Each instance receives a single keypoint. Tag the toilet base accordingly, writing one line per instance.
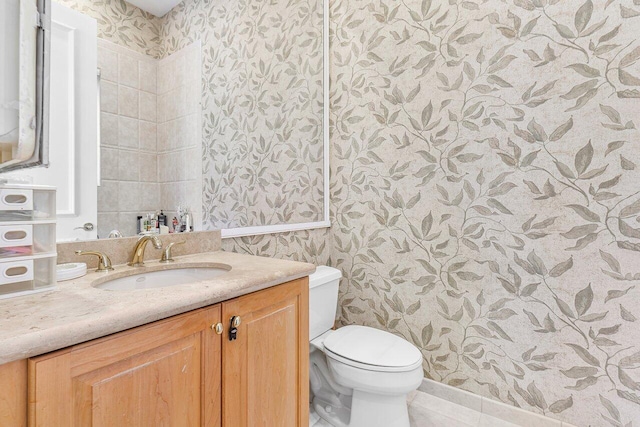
(336, 415)
(375, 410)
(367, 410)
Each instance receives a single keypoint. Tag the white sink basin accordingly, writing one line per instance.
(162, 278)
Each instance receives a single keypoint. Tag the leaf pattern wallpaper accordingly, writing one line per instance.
(122, 23)
(486, 193)
(485, 190)
(262, 107)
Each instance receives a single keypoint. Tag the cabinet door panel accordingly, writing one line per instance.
(164, 374)
(157, 388)
(13, 394)
(265, 370)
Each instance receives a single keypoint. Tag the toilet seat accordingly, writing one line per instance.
(371, 349)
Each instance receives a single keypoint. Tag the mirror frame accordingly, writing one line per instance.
(326, 221)
(40, 155)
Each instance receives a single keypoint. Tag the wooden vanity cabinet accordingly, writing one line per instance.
(163, 374)
(179, 372)
(265, 369)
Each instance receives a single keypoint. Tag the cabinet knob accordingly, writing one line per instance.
(218, 328)
(235, 321)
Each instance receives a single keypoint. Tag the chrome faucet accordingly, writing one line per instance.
(137, 259)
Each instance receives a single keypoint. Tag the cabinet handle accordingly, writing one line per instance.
(218, 328)
(233, 330)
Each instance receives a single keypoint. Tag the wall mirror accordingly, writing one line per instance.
(212, 115)
(23, 83)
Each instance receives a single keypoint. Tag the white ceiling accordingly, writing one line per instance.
(156, 7)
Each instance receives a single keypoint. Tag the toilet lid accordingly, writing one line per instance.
(373, 347)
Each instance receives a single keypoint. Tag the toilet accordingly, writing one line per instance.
(359, 376)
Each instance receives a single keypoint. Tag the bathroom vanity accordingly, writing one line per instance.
(228, 351)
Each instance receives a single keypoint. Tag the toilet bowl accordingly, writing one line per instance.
(359, 376)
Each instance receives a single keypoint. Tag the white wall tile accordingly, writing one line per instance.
(150, 197)
(166, 132)
(108, 64)
(108, 163)
(164, 77)
(148, 76)
(148, 136)
(129, 166)
(108, 97)
(108, 196)
(106, 222)
(128, 132)
(148, 167)
(109, 129)
(127, 223)
(162, 107)
(128, 101)
(128, 73)
(129, 196)
(148, 104)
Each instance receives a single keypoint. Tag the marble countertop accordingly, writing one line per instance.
(76, 312)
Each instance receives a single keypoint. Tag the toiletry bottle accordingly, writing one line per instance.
(139, 224)
(162, 218)
(188, 222)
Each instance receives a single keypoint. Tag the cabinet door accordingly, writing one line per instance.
(163, 374)
(266, 368)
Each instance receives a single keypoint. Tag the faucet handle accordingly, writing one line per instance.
(104, 262)
(166, 253)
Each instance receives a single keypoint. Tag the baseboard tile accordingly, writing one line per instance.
(488, 406)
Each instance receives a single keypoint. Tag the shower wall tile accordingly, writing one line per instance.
(148, 76)
(109, 97)
(129, 161)
(128, 102)
(128, 132)
(109, 162)
(108, 65)
(108, 129)
(148, 136)
(128, 71)
(179, 131)
(148, 104)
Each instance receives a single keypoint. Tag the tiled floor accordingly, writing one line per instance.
(426, 410)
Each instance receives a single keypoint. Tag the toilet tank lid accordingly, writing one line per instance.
(324, 275)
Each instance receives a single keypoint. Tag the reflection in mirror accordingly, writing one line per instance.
(150, 140)
(23, 86)
(179, 123)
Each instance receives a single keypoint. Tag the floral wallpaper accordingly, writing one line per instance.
(262, 107)
(122, 23)
(486, 193)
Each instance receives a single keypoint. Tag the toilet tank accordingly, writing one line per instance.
(323, 300)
